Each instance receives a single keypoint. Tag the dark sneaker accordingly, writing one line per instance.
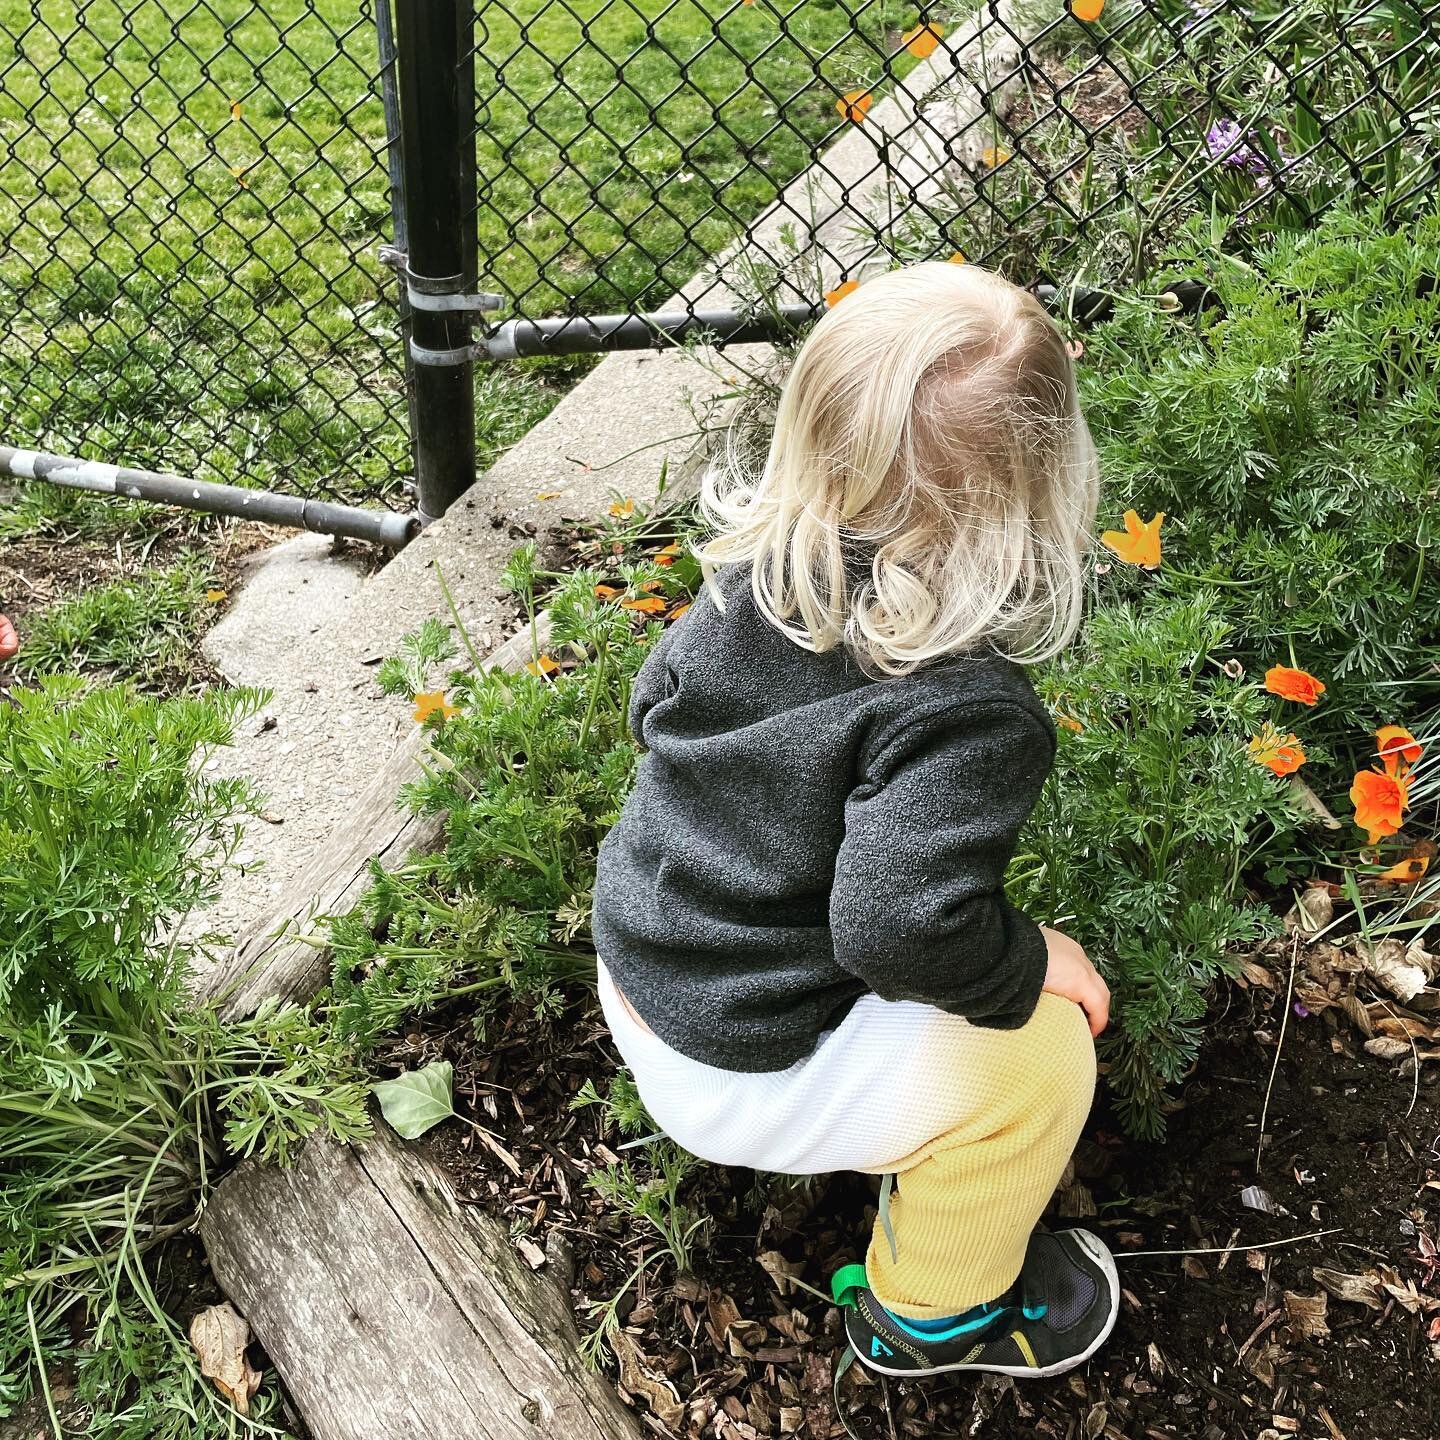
(1055, 1317)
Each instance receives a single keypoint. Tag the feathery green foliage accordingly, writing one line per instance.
(114, 1087)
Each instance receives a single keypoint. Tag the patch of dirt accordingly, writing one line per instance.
(1228, 1334)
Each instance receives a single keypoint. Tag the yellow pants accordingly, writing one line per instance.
(966, 1202)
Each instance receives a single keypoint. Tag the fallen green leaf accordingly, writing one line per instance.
(418, 1100)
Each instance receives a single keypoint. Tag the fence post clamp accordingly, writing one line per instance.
(446, 295)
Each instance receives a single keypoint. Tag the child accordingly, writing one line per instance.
(807, 958)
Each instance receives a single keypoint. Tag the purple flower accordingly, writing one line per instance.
(1301, 1010)
(1227, 144)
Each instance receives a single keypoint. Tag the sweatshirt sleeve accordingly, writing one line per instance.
(652, 684)
(918, 909)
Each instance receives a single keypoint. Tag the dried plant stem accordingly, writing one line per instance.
(1279, 1046)
(1222, 1249)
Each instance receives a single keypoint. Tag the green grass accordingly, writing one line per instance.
(142, 629)
(740, 94)
(188, 278)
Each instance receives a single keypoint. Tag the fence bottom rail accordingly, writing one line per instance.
(380, 527)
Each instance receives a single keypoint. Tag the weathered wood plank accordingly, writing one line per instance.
(393, 1311)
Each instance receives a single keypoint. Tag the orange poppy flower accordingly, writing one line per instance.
(1379, 802)
(1087, 10)
(1280, 754)
(650, 605)
(1398, 748)
(958, 258)
(853, 105)
(1291, 684)
(835, 296)
(542, 665)
(622, 508)
(432, 702)
(608, 592)
(1069, 722)
(1139, 542)
(677, 612)
(922, 40)
(667, 556)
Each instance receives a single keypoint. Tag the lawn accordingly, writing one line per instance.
(188, 270)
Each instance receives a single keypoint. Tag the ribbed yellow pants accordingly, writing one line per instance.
(966, 1202)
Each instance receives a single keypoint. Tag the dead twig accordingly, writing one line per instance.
(1257, 1332)
(1221, 1249)
(1279, 1046)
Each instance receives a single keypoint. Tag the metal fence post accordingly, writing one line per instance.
(436, 65)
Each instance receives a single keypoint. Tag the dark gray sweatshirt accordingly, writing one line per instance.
(801, 832)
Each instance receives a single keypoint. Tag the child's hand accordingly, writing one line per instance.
(1071, 974)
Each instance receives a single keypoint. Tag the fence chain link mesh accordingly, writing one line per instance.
(193, 195)
(624, 144)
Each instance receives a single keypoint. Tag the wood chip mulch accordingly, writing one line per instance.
(1242, 1330)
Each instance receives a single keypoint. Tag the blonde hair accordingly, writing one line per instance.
(930, 427)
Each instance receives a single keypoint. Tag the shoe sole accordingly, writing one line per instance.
(1094, 1247)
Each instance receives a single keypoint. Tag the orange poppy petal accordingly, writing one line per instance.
(1397, 748)
(1292, 684)
(1408, 871)
(923, 39)
(1139, 543)
(1379, 802)
(650, 605)
(1280, 754)
(433, 702)
(853, 105)
(1087, 10)
(835, 296)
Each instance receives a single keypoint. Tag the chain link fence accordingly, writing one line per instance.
(191, 198)
(1059, 139)
(194, 200)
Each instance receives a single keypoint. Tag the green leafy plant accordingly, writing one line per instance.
(1142, 841)
(530, 774)
(119, 1098)
(418, 1100)
(1289, 434)
(647, 1191)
